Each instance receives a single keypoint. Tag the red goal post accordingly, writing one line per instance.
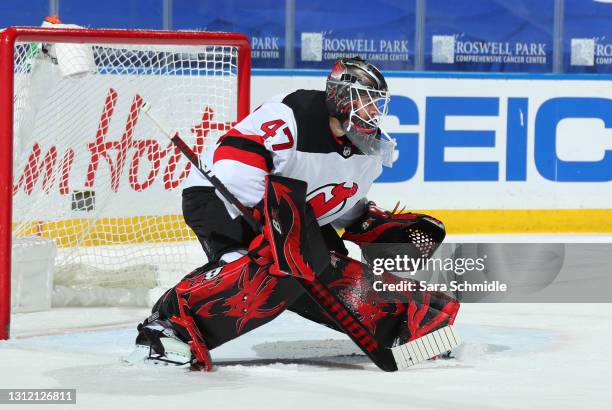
(210, 60)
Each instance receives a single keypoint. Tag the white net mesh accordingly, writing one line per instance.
(98, 177)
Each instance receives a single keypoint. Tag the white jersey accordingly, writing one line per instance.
(290, 136)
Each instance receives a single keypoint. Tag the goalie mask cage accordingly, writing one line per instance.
(90, 189)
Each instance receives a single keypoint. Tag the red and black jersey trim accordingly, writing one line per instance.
(246, 149)
(312, 121)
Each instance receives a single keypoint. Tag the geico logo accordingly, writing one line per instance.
(537, 144)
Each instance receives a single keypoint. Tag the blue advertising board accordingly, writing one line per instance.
(485, 35)
(381, 31)
(263, 21)
(587, 36)
(127, 14)
(459, 35)
(16, 13)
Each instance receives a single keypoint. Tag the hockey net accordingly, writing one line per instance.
(95, 190)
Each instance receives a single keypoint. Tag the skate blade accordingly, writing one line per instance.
(424, 348)
(178, 354)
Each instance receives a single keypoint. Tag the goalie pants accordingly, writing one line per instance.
(219, 234)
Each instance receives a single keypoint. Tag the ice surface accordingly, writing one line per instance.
(540, 356)
(514, 356)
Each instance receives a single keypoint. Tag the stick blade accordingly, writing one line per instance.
(426, 347)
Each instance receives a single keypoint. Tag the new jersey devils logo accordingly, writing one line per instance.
(330, 199)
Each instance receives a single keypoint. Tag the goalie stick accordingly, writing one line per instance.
(387, 359)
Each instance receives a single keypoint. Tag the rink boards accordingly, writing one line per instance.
(484, 153)
(490, 152)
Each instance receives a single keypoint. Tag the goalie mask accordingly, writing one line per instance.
(357, 95)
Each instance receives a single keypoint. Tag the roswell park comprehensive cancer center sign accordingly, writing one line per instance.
(452, 49)
(325, 47)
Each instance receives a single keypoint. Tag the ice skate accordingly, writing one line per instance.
(157, 343)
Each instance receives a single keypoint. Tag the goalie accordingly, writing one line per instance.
(331, 141)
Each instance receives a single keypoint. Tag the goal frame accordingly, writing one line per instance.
(11, 35)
